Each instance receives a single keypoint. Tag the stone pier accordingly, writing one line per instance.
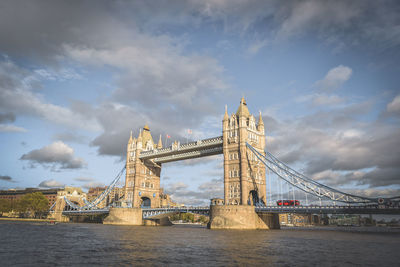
(133, 216)
(241, 217)
(124, 216)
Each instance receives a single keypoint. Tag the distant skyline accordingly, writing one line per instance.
(77, 76)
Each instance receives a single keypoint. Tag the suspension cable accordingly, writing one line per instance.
(304, 183)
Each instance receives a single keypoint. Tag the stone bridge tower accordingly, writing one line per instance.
(244, 174)
(142, 183)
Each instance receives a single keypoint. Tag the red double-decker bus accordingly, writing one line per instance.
(288, 202)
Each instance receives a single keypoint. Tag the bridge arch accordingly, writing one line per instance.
(146, 202)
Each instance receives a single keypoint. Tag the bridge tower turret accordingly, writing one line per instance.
(142, 184)
(244, 175)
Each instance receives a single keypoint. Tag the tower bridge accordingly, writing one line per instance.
(247, 203)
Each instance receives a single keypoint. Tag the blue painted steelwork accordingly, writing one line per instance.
(149, 213)
(310, 186)
(355, 209)
(100, 198)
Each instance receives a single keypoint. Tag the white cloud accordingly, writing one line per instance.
(326, 100)
(179, 192)
(157, 83)
(50, 184)
(256, 46)
(394, 105)
(335, 78)
(17, 95)
(59, 75)
(56, 156)
(84, 179)
(11, 128)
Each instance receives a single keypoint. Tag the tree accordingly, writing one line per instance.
(5, 205)
(35, 204)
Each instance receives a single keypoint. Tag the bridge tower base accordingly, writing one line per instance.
(158, 222)
(241, 217)
(124, 216)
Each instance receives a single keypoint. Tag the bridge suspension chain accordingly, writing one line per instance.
(306, 184)
(98, 199)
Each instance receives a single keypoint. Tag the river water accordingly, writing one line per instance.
(39, 244)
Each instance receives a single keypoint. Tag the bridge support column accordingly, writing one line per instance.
(124, 216)
(241, 217)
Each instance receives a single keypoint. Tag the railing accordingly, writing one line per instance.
(189, 155)
(355, 209)
(148, 213)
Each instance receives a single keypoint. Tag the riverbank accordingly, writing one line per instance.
(25, 219)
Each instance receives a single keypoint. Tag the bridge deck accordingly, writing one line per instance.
(154, 213)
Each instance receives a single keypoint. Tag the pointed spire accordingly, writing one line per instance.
(260, 120)
(130, 138)
(140, 136)
(146, 128)
(159, 143)
(243, 101)
(243, 110)
(226, 116)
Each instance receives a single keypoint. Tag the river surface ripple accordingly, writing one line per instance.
(40, 244)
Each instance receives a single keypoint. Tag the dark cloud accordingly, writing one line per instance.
(103, 23)
(93, 184)
(336, 147)
(381, 177)
(7, 117)
(6, 178)
(56, 156)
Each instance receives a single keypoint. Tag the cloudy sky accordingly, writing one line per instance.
(77, 77)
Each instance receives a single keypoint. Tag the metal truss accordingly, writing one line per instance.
(190, 155)
(177, 151)
(100, 198)
(306, 184)
(157, 213)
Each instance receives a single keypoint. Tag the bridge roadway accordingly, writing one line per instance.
(156, 213)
